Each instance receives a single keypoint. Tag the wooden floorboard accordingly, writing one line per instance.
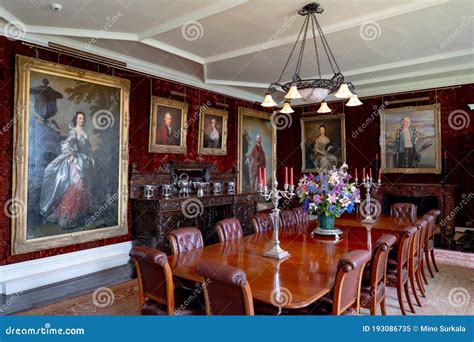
(63, 290)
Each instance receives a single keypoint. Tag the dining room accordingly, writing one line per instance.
(237, 158)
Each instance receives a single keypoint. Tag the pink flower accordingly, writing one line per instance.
(332, 198)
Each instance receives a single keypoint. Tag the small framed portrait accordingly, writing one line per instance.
(323, 142)
(167, 126)
(411, 139)
(213, 132)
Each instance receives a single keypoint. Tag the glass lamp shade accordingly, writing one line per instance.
(287, 108)
(268, 101)
(313, 95)
(343, 92)
(353, 101)
(324, 108)
(293, 93)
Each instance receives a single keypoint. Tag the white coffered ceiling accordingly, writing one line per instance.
(238, 47)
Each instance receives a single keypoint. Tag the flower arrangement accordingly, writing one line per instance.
(329, 193)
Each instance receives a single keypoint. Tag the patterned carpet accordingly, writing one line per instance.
(448, 294)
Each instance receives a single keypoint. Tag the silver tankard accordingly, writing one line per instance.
(149, 191)
(231, 187)
(217, 187)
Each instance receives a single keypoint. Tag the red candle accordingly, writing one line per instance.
(291, 176)
(286, 175)
(356, 173)
(445, 155)
(363, 173)
(264, 176)
(260, 175)
(370, 173)
(380, 174)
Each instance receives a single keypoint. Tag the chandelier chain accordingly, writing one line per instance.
(303, 44)
(289, 57)
(315, 47)
(326, 48)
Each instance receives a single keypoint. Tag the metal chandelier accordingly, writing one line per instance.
(312, 89)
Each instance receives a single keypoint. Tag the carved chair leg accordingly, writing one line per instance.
(407, 293)
(422, 269)
(428, 264)
(434, 260)
(383, 308)
(419, 283)
(413, 288)
(400, 299)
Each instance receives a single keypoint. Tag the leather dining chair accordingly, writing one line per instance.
(399, 277)
(156, 288)
(374, 295)
(345, 299)
(302, 216)
(226, 290)
(262, 222)
(229, 229)
(405, 211)
(422, 225)
(414, 261)
(184, 240)
(288, 219)
(429, 245)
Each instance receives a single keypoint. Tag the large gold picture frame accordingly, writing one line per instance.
(335, 149)
(161, 138)
(424, 127)
(250, 124)
(205, 144)
(34, 78)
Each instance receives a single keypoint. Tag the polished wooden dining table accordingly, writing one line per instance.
(299, 280)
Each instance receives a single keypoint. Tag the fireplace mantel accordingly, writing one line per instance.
(443, 192)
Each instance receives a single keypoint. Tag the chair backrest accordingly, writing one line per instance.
(229, 229)
(404, 247)
(288, 219)
(403, 210)
(423, 224)
(226, 290)
(155, 280)
(435, 213)
(348, 281)
(262, 222)
(184, 240)
(379, 260)
(302, 216)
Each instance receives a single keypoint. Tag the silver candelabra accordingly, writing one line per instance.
(275, 195)
(369, 185)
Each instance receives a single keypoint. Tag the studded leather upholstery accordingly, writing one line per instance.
(226, 288)
(184, 240)
(156, 288)
(404, 211)
(229, 229)
(288, 219)
(262, 222)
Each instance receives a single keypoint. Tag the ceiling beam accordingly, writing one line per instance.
(344, 25)
(221, 6)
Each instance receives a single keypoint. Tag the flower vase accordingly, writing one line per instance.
(326, 221)
(326, 226)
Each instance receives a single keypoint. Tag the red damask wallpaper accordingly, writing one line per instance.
(139, 127)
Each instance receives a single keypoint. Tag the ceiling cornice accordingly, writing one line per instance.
(143, 66)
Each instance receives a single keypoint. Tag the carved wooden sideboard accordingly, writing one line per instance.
(153, 218)
(444, 193)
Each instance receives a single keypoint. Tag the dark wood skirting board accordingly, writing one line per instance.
(45, 295)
